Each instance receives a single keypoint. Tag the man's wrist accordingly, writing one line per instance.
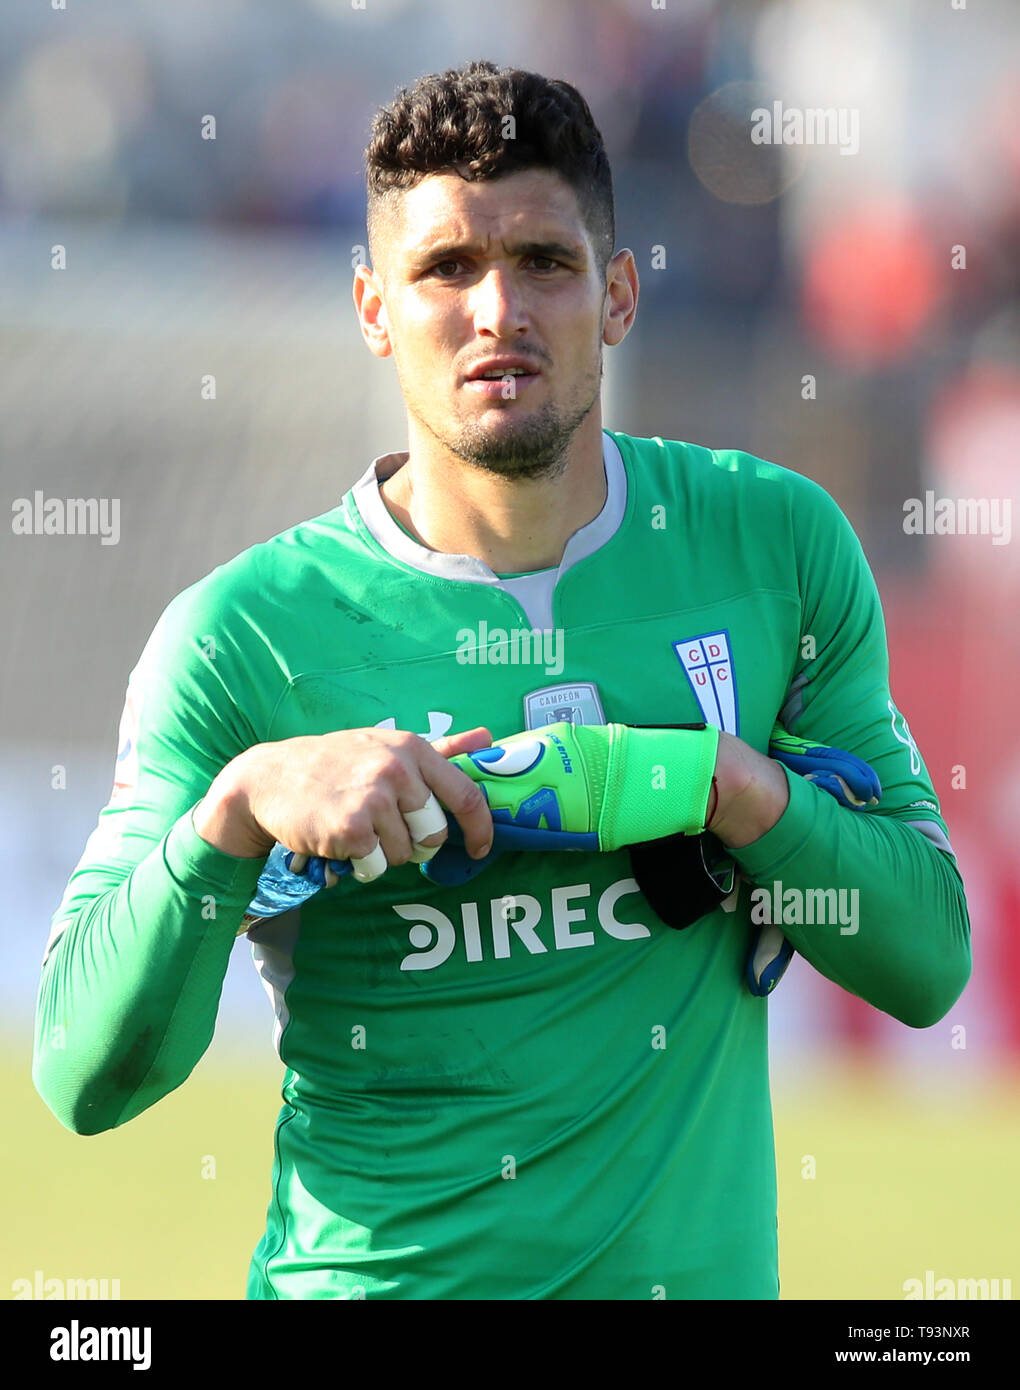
(750, 793)
(223, 818)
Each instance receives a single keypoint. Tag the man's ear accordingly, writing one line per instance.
(621, 298)
(371, 309)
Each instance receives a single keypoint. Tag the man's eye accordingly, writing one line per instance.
(550, 264)
(450, 266)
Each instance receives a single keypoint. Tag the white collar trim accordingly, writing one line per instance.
(396, 542)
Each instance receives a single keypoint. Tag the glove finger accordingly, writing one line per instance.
(769, 958)
(846, 793)
(856, 778)
(832, 783)
(316, 871)
(452, 865)
(308, 867)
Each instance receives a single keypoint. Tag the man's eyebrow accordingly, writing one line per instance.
(452, 251)
(555, 250)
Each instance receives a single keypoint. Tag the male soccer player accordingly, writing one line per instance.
(526, 1085)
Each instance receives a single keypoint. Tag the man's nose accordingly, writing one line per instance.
(497, 304)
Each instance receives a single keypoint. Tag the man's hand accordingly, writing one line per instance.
(343, 795)
(562, 787)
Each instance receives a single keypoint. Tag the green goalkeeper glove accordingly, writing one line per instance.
(563, 787)
(595, 787)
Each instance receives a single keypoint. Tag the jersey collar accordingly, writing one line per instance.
(396, 542)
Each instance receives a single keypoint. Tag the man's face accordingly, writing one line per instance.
(500, 276)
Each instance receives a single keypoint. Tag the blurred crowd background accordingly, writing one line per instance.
(232, 256)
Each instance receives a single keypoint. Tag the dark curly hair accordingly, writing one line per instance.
(455, 122)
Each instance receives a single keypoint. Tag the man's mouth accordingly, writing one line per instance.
(501, 378)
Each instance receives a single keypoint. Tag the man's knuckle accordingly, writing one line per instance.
(394, 768)
(470, 798)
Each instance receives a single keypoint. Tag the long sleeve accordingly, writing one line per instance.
(138, 948)
(897, 934)
(128, 996)
(910, 952)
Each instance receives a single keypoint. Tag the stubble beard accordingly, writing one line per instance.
(534, 448)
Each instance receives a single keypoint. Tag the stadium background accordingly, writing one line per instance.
(233, 256)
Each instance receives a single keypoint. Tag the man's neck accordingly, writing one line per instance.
(513, 526)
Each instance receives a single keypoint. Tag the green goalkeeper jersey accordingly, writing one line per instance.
(526, 1087)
